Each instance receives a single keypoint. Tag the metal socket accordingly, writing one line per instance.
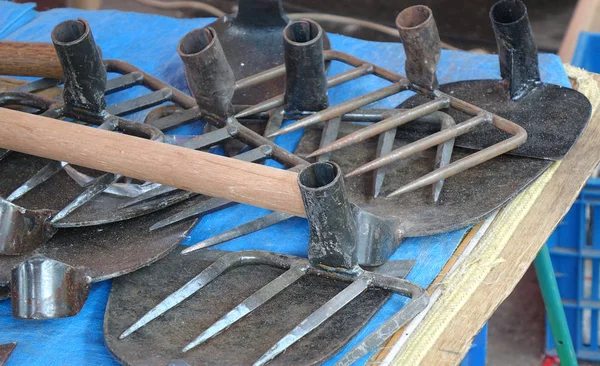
(516, 48)
(207, 71)
(332, 240)
(83, 70)
(305, 79)
(421, 42)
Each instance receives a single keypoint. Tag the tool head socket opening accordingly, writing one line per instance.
(414, 17)
(70, 32)
(508, 11)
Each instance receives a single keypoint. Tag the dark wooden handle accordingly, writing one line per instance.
(29, 59)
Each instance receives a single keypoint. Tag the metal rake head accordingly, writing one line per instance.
(332, 253)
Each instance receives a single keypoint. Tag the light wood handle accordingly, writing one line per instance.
(135, 157)
(29, 59)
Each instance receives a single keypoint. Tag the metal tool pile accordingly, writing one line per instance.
(491, 139)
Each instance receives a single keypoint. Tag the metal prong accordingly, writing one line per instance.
(158, 191)
(342, 108)
(250, 304)
(376, 338)
(247, 228)
(38, 178)
(388, 123)
(443, 157)
(423, 144)
(317, 318)
(99, 185)
(329, 135)
(335, 80)
(275, 121)
(202, 208)
(384, 147)
(123, 82)
(37, 85)
(202, 279)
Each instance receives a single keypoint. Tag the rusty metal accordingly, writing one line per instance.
(332, 254)
(251, 39)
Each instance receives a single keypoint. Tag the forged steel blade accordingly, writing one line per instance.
(317, 318)
(238, 231)
(247, 306)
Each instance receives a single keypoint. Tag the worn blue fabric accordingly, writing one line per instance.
(149, 42)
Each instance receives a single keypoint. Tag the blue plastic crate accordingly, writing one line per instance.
(575, 252)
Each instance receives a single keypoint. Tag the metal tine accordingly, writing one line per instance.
(465, 163)
(250, 304)
(177, 119)
(140, 103)
(388, 123)
(38, 178)
(344, 107)
(329, 135)
(317, 318)
(275, 120)
(244, 229)
(423, 144)
(212, 204)
(96, 188)
(385, 144)
(253, 155)
(443, 157)
(48, 171)
(375, 339)
(335, 80)
(123, 82)
(211, 272)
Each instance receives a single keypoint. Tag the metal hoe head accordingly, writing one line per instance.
(332, 254)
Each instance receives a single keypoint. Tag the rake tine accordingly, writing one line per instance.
(210, 139)
(443, 157)
(423, 144)
(384, 147)
(250, 304)
(99, 185)
(254, 155)
(380, 127)
(274, 122)
(335, 80)
(376, 338)
(465, 163)
(329, 135)
(177, 119)
(317, 318)
(140, 103)
(342, 108)
(247, 228)
(38, 178)
(202, 279)
(202, 208)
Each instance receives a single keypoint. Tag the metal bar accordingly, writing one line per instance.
(329, 135)
(249, 304)
(210, 139)
(123, 82)
(384, 147)
(37, 85)
(238, 231)
(380, 127)
(423, 144)
(140, 103)
(342, 108)
(177, 119)
(317, 318)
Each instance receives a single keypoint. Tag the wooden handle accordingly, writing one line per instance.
(134, 157)
(29, 59)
